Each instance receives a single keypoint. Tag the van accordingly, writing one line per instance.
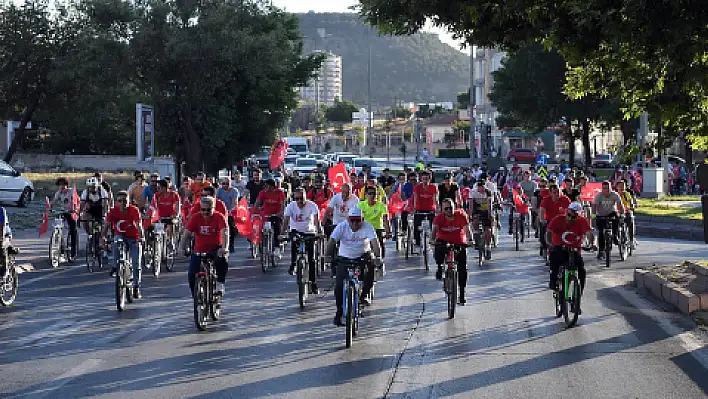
(298, 144)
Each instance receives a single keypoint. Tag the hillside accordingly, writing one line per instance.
(408, 68)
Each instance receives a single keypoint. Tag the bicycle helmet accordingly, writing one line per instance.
(92, 182)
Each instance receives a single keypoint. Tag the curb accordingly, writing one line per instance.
(666, 230)
(685, 301)
(668, 220)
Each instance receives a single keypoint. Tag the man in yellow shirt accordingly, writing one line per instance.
(380, 192)
(375, 213)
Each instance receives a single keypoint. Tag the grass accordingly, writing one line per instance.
(651, 207)
(682, 198)
(44, 182)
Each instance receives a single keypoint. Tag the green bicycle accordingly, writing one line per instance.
(568, 291)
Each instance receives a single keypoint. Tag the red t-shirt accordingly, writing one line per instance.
(165, 204)
(272, 201)
(219, 208)
(555, 208)
(356, 189)
(320, 198)
(207, 233)
(452, 231)
(426, 197)
(568, 234)
(125, 223)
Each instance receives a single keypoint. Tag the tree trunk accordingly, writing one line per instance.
(571, 147)
(689, 151)
(20, 131)
(192, 144)
(586, 142)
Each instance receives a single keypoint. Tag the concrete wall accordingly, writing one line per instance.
(46, 162)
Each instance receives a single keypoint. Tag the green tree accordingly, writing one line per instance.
(341, 111)
(221, 75)
(463, 99)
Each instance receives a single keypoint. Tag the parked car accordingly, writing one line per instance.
(332, 158)
(305, 165)
(672, 159)
(289, 162)
(522, 155)
(604, 161)
(359, 163)
(262, 160)
(346, 158)
(14, 187)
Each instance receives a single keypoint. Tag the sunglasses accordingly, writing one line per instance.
(298, 198)
(121, 200)
(447, 209)
(371, 193)
(355, 220)
(206, 209)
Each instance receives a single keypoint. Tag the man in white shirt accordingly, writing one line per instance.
(303, 216)
(339, 206)
(356, 237)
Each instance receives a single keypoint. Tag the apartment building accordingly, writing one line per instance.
(327, 86)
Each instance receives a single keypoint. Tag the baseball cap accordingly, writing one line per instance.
(575, 206)
(355, 212)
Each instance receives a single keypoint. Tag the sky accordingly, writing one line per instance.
(303, 6)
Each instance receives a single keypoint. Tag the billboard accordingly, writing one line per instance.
(145, 132)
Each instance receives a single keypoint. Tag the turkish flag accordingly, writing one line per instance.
(277, 153)
(256, 228)
(521, 207)
(242, 218)
(45, 219)
(338, 176)
(395, 204)
(590, 191)
(77, 203)
(323, 208)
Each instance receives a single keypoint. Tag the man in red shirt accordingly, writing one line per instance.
(452, 227)
(167, 203)
(220, 207)
(553, 205)
(319, 194)
(271, 203)
(425, 203)
(358, 184)
(568, 230)
(211, 233)
(125, 220)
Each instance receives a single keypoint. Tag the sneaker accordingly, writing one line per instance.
(364, 300)
(599, 254)
(314, 290)
(438, 274)
(462, 300)
(220, 289)
(488, 255)
(12, 250)
(276, 252)
(291, 270)
(136, 293)
(338, 320)
(113, 272)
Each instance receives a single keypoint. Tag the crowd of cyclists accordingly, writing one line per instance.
(200, 215)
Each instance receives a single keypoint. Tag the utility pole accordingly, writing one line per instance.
(471, 107)
(369, 132)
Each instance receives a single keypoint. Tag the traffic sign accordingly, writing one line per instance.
(542, 159)
(542, 172)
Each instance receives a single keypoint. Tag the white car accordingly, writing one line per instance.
(289, 161)
(359, 163)
(14, 187)
(346, 158)
(305, 165)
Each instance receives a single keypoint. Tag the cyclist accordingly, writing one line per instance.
(197, 186)
(570, 229)
(425, 199)
(125, 220)
(569, 189)
(452, 226)
(355, 238)
(480, 211)
(220, 207)
(380, 192)
(376, 214)
(553, 205)
(94, 203)
(339, 207)
(386, 180)
(211, 233)
(64, 200)
(397, 186)
(271, 202)
(302, 216)
(106, 187)
(6, 248)
(183, 191)
(629, 201)
(136, 188)
(522, 209)
(254, 187)
(319, 194)
(229, 196)
(607, 206)
(529, 188)
(167, 203)
(358, 185)
(449, 189)
(149, 191)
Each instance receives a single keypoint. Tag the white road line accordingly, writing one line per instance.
(50, 273)
(52, 386)
(42, 333)
(688, 340)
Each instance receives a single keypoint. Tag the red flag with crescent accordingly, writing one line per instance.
(45, 219)
(590, 190)
(338, 176)
(242, 218)
(277, 153)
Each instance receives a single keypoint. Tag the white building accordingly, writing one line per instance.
(328, 84)
(486, 61)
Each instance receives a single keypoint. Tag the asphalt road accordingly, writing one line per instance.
(64, 338)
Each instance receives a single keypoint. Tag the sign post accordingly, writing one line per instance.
(145, 134)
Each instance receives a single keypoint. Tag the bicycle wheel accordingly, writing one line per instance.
(302, 281)
(170, 257)
(263, 253)
(350, 316)
(409, 243)
(516, 234)
(622, 244)
(128, 282)
(157, 256)
(608, 249)
(215, 303)
(571, 308)
(121, 292)
(558, 294)
(55, 248)
(396, 234)
(201, 310)
(10, 283)
(254, 251)
(69, 244)
(451, 284)
(90, 259)
(425, 251)
(319, 258)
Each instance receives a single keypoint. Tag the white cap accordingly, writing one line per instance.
(575, 206)
(355, 211)
(92, 181)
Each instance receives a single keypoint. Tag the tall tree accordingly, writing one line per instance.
(341, 111)
(220, 73)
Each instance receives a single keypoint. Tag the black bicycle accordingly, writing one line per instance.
(450, 281)
(302, 266)
(94, 250)
(607, 232)
(124, 275)
(207, 303)
(9, 283)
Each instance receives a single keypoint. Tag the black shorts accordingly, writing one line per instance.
(94, 213)
(484, 217)
(168, 221)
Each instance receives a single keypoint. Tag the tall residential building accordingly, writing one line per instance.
(328, 81)
(486, 61)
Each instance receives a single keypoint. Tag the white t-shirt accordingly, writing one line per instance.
(340, 208)
(302, 220)
(491, 186)
(99, 195)
(353, 244)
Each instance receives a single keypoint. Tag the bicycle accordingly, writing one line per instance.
(424, 234)
(94, 252)
(152, 252)
(450, 280)
(168, 248)
(623, 240)
(480, 239)
(496, 226)
(516, 227)
(9, 284)
(60, 242)
(206, 301)
(409, 236)
(397, 231)
(302, 266)
(568, 292)
(351, 310)
(124, 275)
(267, 255)
(607, 231)
(320, 265)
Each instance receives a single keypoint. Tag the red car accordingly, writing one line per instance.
(522, 155)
